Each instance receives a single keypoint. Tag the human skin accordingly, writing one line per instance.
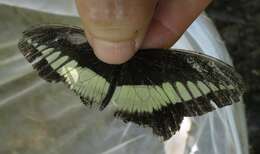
(116, 29)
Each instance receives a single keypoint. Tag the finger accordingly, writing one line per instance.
(115, 28)
(171, 19)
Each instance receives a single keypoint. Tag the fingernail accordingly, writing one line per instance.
(113, 52)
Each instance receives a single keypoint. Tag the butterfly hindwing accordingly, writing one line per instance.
(156, 88)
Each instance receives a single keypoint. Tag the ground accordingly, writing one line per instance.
(238, 21)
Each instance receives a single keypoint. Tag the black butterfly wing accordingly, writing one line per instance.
(156, 88)
(159, 87)
(61, 53)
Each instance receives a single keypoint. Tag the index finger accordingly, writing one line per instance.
(170, 21)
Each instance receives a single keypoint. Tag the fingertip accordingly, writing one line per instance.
(115, 29)
(113, 52)
(159, 36)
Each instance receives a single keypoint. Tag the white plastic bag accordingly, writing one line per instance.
(37, 117)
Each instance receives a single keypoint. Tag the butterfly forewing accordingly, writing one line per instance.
(178, 82)
(57, 53)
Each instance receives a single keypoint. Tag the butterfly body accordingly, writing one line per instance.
(156, 88)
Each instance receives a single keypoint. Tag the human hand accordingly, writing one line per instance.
(116, 29)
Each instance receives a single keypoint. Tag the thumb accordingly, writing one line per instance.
(115, 28)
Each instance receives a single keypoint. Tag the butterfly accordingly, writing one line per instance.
(156, 88)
